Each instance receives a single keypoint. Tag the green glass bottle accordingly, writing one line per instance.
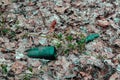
(91, 37)
(43, 52)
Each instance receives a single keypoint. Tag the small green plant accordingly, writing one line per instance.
(27, 76)
(71, 46)
(81, 43)
(11, 34)
(41, 72)
(66, 51)
(7, 32)
(58, 45)
(4, 68)
(69, 37)
(59, 36)
(4, 31)
(25, 35)
(30, 69)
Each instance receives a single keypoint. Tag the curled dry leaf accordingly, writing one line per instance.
(52, 26)
(103, 23)
(61, 9)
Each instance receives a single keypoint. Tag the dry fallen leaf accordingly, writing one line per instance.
(52, 26)
(3, 50)
(18, 67)
(117, 42)
(61, 9)
(103, 23)
(115, 76)
(82, 73)
(86, 76)
(30, 3)
(6, 2)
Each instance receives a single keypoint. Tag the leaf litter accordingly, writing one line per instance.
(85, 33)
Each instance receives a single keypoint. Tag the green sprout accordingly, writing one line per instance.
(4, 68)
(71, 46)
(27, 76)
(81, 43)
(69, 38)
(4, 31)
(30, 69)
(59, 36)
(58, 45)
(12, 34)
(7, 32)
(66, 51)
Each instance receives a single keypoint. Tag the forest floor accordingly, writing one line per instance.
(85, 33)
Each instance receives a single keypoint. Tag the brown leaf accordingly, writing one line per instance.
(18, 67)
(30, 3)
(3, 50)
(83, 73)
(6, 2)
(115, 76)
(52, 26)
(60, 9)
(103, 23)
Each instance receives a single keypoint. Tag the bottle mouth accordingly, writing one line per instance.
(53, 53)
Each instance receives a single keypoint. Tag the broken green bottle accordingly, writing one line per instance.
(43, 52)
(91, 37)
